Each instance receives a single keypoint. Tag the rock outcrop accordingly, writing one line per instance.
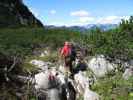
(13, 13)
(40, 64)
(128, 73)
(100, 66)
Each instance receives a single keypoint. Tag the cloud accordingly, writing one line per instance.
(111, 19)
(66, 24)
(86, 19)
(53, 12)
(82, 21)
(83, 17)
(80, 13)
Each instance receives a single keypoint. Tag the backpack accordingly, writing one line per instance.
(73, 54)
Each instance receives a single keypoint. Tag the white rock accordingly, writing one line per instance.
(53, 94)
(90, 95)
(44, 53)
(41, 80)
(61, 78)
(37, 62)
(62, 69)
(128, 73)
(40, 64)
(81, 82)
(100, 66)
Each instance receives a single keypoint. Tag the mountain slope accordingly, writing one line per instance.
(14, 13)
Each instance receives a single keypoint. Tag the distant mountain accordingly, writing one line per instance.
(78, 28)
(101, 26)
(85, 28)
(14, 13)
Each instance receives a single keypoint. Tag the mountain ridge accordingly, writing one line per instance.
(85, 28)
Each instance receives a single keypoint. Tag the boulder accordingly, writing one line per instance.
(100, 66)
(53, 94)
(44, 53)
(82, 84)
(128, 73)
(41, 80)
(40, 64)
(90, 95)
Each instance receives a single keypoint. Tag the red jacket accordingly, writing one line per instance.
(66, 51)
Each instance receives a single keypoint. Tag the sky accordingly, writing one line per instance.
(80, 12)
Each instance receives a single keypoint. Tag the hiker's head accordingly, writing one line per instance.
(66, 43)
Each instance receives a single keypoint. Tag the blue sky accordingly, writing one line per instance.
(80, 12)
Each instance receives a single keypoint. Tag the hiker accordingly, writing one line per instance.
(67, 55)
(80, 63)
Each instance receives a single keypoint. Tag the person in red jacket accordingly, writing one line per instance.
(65, 54)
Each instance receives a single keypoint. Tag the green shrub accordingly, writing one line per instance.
(114, 87)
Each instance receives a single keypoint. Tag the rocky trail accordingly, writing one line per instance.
(65, 88)
(50, 82)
